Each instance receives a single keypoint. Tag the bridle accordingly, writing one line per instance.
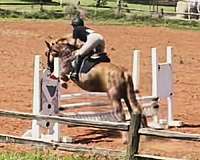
(67, 52)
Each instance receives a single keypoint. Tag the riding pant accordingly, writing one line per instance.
(95, 42)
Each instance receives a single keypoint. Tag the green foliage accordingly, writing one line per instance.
(10, 14)
(26, 156)
(44, 14)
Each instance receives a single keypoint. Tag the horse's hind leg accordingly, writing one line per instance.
(131, 100)
(118, 112)
(143, 119)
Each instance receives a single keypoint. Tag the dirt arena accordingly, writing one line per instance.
(21, 40)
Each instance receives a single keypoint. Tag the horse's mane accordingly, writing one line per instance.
(67, 40)
(63, 47)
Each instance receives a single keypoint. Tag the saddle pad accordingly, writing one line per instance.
(89, 62)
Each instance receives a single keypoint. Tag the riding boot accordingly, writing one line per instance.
(74, 74)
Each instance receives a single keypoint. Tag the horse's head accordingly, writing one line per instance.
(61, 49)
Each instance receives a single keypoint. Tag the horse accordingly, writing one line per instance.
(103, 77)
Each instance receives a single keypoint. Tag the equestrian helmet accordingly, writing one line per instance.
(77, 21)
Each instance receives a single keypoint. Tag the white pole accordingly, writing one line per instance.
(154, 61)
(170, 97)
(136, 69)
(56, 67)
(154, 72)
(36, 97)
(170, 55)
(56, 128)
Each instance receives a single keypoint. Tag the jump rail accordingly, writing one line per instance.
(96, 104)
(67, 120)
(72, 147)
(134, 134)
(99, 94)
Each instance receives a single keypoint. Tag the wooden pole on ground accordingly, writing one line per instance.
(134, 137)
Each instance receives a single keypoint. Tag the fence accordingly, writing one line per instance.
(63, 9)
(133, 128)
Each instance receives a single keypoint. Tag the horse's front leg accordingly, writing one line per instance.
(64, 76)
(64, 79)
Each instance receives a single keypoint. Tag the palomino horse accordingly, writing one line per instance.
(103, 77)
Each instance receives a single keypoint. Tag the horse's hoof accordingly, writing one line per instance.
(64, 85)
(64, 78)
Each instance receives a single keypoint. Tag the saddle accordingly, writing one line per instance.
(88, 62)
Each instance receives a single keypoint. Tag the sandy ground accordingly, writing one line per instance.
(21, 40)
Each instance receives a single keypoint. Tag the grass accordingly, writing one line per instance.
(29, 156)
(46, 156)
(91, 3)
(103, 15)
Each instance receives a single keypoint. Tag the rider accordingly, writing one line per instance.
(93, 43)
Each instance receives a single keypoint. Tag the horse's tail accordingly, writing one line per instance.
(131, 100)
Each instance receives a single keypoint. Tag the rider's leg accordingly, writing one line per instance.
(77, 65)
(93, 40)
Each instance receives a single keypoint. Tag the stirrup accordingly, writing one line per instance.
(74, 76)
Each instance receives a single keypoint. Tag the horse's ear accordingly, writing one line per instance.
(48, 44)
